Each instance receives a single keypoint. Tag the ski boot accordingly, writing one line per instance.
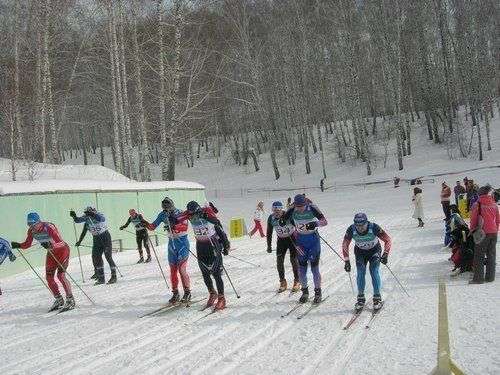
(221, 302)
(175, 297)
(58, 303)
(211, 299)
(360, 304)
(305, 295)
(70, 303)
(296, 286)
(141, 260)
(283, 286)
(148, 259)
(94, 276)
(377, 302)
(317, 296)
(187, 296)
(112, 279)
(100, 281)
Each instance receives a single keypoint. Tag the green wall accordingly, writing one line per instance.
(55, 208)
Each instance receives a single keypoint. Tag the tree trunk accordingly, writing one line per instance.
(17, 111)
(487, 126)
(320, 142)
(40, 87)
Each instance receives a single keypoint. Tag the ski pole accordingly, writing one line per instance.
(71, 277)
(244, 261)
(225, 271)
(78, 250)
(158, 261)
(327, 244)
(33, 269)
(401, 285)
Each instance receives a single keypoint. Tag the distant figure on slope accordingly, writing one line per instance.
(284, 242)
(258, 215)
(367, 248)
(211, 243)
(418, 213)
(141, 234)
(322, 184)
(56, 261)
(177, 248)
(95, 223)
(306, 218)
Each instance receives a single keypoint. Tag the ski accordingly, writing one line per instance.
(374, 315)
(64, 310)
(155, 311)
(354, 317)
(296, 307)
(211, 312)
(175, 307)
(310, 308)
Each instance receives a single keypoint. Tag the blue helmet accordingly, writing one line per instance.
(277, 205)
(299, 200)
(33, 218)
(360, 218)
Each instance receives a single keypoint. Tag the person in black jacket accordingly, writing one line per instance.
(141, 234)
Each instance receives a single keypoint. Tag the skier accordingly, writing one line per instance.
(284, 242)
(56, 261)
(211, 241)
(257, 219)
(306, 217)
(177, 249)
(141, 234)
(367, 248)
(95, 223)
(5, 252)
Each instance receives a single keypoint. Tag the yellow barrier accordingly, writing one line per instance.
(237, 227)
(445, 365)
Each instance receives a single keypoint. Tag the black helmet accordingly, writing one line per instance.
(193, 207)
(167, 204)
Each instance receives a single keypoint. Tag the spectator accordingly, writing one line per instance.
(484, 225)
(322, 184)
(472, 195)
(418, 213)
(457, 190)
(462, 245)
(288, 203)
(445, 199)
(258, 215)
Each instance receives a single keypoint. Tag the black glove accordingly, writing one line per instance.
(15, 245)
(311, 226)
(225, 249)
(72, 214)
(122, 227)
(347, 266)
(77, 244)
(269, 250)
(384, 259)
(12, 257)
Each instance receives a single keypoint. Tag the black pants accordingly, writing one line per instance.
(142, 237)
(282, 246)
(210, 263)
(446, 209)
(102, 245)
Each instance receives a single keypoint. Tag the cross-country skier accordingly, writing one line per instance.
(141, 234)
(211, 241)
(284, 242)
(177, 249)
(367, 248)
(56, 261)
(95, 223)
(306, 217)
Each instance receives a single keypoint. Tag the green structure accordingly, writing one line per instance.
(114, 203)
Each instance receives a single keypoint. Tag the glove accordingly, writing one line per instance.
(72, 214)
(77, 244)
(15, 245)
(384, 259)
(225, 249)
(269, 250)
(12, 257)
(122, 227)
(311, 226)
(347, 266)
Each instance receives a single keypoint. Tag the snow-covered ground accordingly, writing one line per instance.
(249, 337)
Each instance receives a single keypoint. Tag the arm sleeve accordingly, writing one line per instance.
(380, 233)
(127, 223)
(54, 235)
(319, 215)
(79, 219)
(473, 216)
(28, 241)
(269, 232)
(218, 228)
(84, 232)
(346, 242)
(159, 219)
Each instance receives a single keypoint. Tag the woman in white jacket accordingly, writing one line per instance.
(258, 215)
(418, 213)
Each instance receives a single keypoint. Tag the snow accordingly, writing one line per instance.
(249, 337)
